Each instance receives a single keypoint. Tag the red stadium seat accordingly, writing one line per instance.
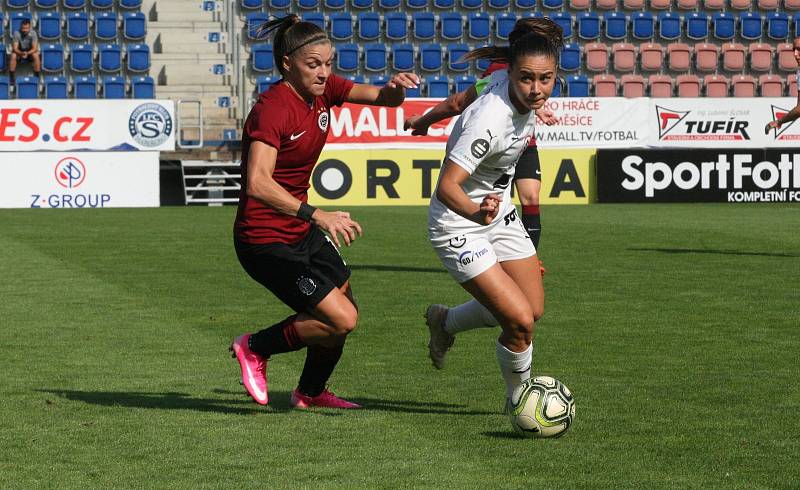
(714, 4)
(741, 4)
(606, 4)
(688, 86)
(652, 56)
(624, 56)
(680, 56)
(786, 60)
(791, 81)
(706, 56)
(744, 86)
(633, 86)
(768, 4)
(660, 86)
(760, 57)
(633, 4)
(791, 4)
(771, 85)
(580, 4)
(596, 57)
(660, 4)
(688, 4)
(733, 56)
(605, 85)
(716, 85)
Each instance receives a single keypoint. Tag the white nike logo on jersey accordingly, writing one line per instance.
(295, 136)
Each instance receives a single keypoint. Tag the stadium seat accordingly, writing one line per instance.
(471, 4)
(430, 57)
(669, 26)
(356, 78)
(632, 86)
(750, 25)
(580, 4)
(744, 86)
(143, 88)
(403, 57)
(309, 4)
(697, 26)
(18, 4)
(74, 4)
(341, 26)
(138, 57)
(369, 26)
(553, 4)
(389, 4)
(642, 25)
(577, 86)
(335, 4)
(77, 26)
(651, 56)
(463, 82)
(770, 86)
(714, 4)
(791, 84)
(768, 4)
(564, 20)
(723, 25)
(251, 4)
(482, 65)
(660, 4)
(134, 26)
(733, 56)
(437, 86)
(688, 4)
(740, 4)
(2, 25)
(500, 4)
(105, 26)
(588, 25)
(525, 4)
(688, 85)
(27, 88)
(362, 4)
(264, 83)
(113, 87)
(396, 26)
(624, 55)
(102, 4)
(130, 4)
(605, 85)
(3, 57)
(49, 26)
(616, 25)
(454, 53)
(706, 56)
(417, 4)
(760, 57)
(414, 92)
(279, 4)
(633, 4)
(4, 87)
(46, 4)
(452, 25)
(15, 21)
(110, 58)
(557, 88)
(571, 57)
(315, 18)
(444, 4)
(777, 26)
(375, 57)
(786, 60)
(52, 57)
(423, 25)
(504, 24)
(347, 57)
(660, 85)
(606, 4)
(716, 85)
(85, 87)
(680, 56)
(596, 57)
(378, 80)
(55, 87)
(254, 23)
(81, 57)
(796, 23)
(479, 25)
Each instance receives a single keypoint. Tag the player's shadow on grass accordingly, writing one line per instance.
(396, 268)
(496, 434)
(712, 251)
(406, 406)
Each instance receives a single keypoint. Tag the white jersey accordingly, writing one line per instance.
(486, 141)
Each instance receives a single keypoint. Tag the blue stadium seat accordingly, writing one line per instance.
(49, 26)
(74, 4)
(616, 25)
(452, 25)
(723, 25)
(110, 58)
(130, 4)
(279, 4)
(78, 26)
(504, 24)
(252, 4)
(750, 25)
(18, 4)
(375, 57)
(479, 25)
(308, 4)
(471, 4)
(588, 25)
(105, 26)
(577, 85)
(254, 23)
(362, 4)
(571, 57)
(697, 26)
(414, 92)
(134, 25)
(315, 18)
(46, 4)
(55, 88)
(389, 4)
(669, 26)
(553, 4)
(357, 78)
(102, 4)
(52, 57)
(3, 57)
(556, 89)
(378, 80)
(138, 58)
(347, 57)
(417, 4)
(396, 26)
(341, 26)
(264, 83)
(437, 86)
(143, 88)
(85, 87)
(113, 87)
(563, 19)
(15, 20)
(500, 4)
(463, 82)
(430, 57)
(642, 25)
(444, 4)
(527, 5)
(424, 25)
(402, 57)
(777, 25)
(796, 23)
(369, 25)
(454, 53)
(335, 4)
(81, 57)
(4, 85)
(27, 88)
(482, 65)
(2, 25)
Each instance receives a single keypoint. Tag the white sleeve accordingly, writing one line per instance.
(477, 140)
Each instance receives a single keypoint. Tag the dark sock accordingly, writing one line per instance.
(277, 339)
(320, 363)
(533, 225)
(12, 76)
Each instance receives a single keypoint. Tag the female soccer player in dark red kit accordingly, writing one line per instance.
(278, 236)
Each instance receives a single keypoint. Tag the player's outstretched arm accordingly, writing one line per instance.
(449, 107)
(787, 118)
(452, 195)
(390, 95)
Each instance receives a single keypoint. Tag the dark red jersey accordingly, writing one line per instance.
(298, 131)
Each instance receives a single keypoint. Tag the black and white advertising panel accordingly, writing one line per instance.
(705, 175)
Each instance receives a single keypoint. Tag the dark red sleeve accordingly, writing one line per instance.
(266, 126)
(337, 89)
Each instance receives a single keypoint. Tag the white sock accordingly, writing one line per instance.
(468, 316)
(514, 366)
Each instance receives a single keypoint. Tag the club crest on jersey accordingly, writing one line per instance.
(480, 147)
(458, 242)
(322, 121)
(306, 285)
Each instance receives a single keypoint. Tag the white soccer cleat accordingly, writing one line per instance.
(440, 341)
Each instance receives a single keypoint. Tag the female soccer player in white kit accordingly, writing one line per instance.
(472, 222)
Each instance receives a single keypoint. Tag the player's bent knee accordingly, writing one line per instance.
(345, 322)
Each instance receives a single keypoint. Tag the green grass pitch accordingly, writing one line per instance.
(677, 327)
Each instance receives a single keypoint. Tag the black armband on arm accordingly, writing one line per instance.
(306, 211)
(528, 165)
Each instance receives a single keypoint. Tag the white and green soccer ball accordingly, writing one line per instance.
(541, 407)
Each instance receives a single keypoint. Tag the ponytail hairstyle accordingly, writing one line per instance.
(530, 36)
(291, 34)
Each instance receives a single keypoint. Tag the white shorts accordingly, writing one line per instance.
(468, 255)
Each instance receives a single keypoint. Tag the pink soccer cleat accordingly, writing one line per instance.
(254, 369)
(325, 399)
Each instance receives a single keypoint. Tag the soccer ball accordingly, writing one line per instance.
(541, 407)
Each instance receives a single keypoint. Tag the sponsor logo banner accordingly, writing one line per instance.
(79, 180)
(698, 175)
(87, 125)
(408, 177)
